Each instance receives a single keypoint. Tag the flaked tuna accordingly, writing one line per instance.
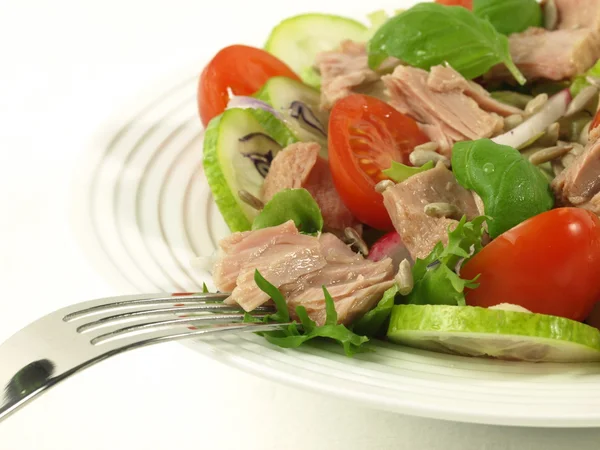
(346, 70)
(406, 201)
(300, 166)
(447, 107)
(579, 184)
(300, 266)
(240, 248)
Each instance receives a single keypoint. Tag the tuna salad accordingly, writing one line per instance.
(431, 179)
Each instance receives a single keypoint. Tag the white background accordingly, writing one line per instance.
(65, 66)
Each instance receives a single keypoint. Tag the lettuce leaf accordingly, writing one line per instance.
(435, 278)
(580, 81)
(375, 321)
(293, 335)
(400, 172)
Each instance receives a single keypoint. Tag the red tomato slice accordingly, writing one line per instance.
(596, 121)
(465, 3)
(549, 264)
(240, 69)
(365, 136)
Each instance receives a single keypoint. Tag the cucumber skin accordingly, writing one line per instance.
(273, 36)
(219, 187)
(467, 319)
(277, 129)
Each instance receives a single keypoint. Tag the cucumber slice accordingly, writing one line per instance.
(297, 40)
(237, 154)
(286, 96)
(473, 331)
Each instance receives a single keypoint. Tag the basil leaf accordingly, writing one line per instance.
(512, 189)
(429, 34)
(291, 204)
(375, 320)
(436, 282)
(509, 16)
(399, 172)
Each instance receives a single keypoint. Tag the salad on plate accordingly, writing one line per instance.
(432, 178)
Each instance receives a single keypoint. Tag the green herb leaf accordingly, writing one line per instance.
(509, 16)
(330, 312)
(291, 336)
(374, 321)
(512, 189)
(282, 314)
(580, 82)
(291, 204)
(399, 172)
(429, 34)
(204, 288)
(436, 281)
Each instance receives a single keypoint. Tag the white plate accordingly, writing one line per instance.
(143, 209)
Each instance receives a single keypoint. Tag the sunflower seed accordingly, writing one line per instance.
(583, 137)
(550, 15)
(557, 167)
(512, 121)
(577, 148)
(404, 278)
(419, 158)
(550, 137)
(383, 185)
(441, 209)
(354, 239)
(581, 100)
(548, 154)
(430, 146)
(250, 199)
(535, 105)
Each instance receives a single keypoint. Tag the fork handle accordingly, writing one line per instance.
(26, 377)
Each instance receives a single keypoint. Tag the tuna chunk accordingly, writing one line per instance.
(575, 14)
(553, 55)
(346, 69)
(280, 264)
(406, 201)
(355, 284)
(240, 248)
(444, 103)
(300, 265)
(300, 166)
(579, 184)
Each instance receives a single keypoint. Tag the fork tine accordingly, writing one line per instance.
(174, 334)
(154, 300)
(210, 319)
(148, 313)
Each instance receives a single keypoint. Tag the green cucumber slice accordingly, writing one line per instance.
(282, 94)
(237, 154)
(474, 331)
(298, 39)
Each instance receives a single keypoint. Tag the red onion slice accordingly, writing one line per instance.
(553, 110)
(242, 102)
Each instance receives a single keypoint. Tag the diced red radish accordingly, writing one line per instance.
(390, 245)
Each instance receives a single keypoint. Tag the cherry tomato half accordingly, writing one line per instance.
(240, 69)
(549, 264)
(365, 136)
(596, 121)
(465, 3)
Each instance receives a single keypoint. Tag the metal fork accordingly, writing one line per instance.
(66, 341)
